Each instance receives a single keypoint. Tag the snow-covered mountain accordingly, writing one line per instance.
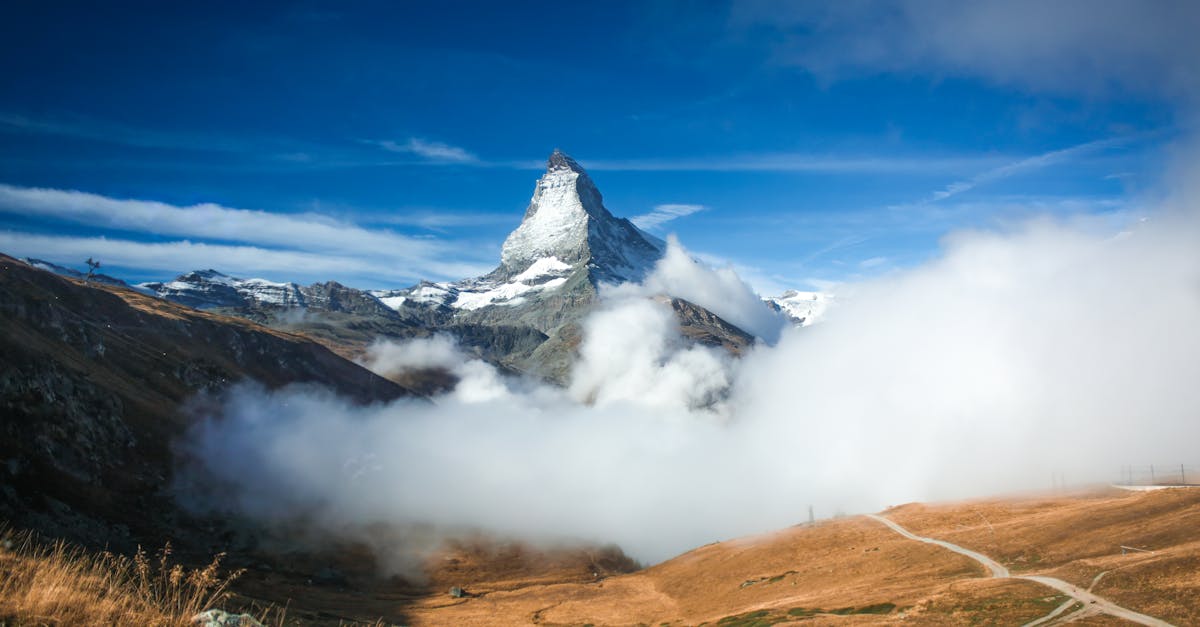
(567, 225)
(566, 233)
(527, 311)
(209, 289)
(802, 308)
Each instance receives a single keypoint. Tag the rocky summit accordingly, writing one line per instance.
(567, 227)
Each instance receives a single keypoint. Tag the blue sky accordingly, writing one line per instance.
(377, 143)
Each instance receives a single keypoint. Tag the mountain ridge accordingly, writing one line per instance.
(96, 381)
(524, 315)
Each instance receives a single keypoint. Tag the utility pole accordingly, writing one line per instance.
(92, 265)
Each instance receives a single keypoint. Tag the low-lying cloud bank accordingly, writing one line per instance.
(1052, 347)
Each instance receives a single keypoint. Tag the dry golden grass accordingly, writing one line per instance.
(57, 584)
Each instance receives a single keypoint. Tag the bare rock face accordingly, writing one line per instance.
(704, 327)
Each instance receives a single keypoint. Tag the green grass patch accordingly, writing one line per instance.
(761, 618)
(878, 608)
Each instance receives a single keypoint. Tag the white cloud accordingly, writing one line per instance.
(630, 354)
(1028, 164)
(796, 162)
(174, 257)
(662, 214)
(98, 130)
(389, 358)
(320, 239)
(1069, 46)
(719, 290)
(1052, 347)
(434, 151)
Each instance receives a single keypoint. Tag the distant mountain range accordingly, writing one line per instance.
(524, 316)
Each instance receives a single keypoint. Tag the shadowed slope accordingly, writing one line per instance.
(91, 386)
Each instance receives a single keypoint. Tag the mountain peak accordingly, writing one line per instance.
(566, 220)
(560, 160)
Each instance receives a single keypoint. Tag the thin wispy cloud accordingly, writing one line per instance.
(84, 128)
(1036, 162)
(800, 162)
(445, 221)
(284, 154)
(311, 240)
(173, 257)
(663, 214)
(437, 152)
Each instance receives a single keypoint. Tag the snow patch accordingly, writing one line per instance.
(542, 267)
(804, 308)
(392, 302)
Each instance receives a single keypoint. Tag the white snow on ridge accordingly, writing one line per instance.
(209, 288)
(475, 300)
(542, 267)
(804, 308)
(558, 217)
(434, 294)
(391, 302)
(503, 294)
(269, 292)
(474, 294)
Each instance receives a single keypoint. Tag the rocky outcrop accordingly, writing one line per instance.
(221, 618)
(704, 327)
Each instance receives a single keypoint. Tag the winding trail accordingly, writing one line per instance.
(1090, 601)
(998, 569)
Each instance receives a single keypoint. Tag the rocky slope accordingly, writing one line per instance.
(92, 383)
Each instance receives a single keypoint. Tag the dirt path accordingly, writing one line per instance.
(998, 569)
(1088, 599)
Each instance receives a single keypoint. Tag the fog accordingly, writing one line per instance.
(1051, 346)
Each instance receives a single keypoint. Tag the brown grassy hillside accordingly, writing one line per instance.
(856, 571)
